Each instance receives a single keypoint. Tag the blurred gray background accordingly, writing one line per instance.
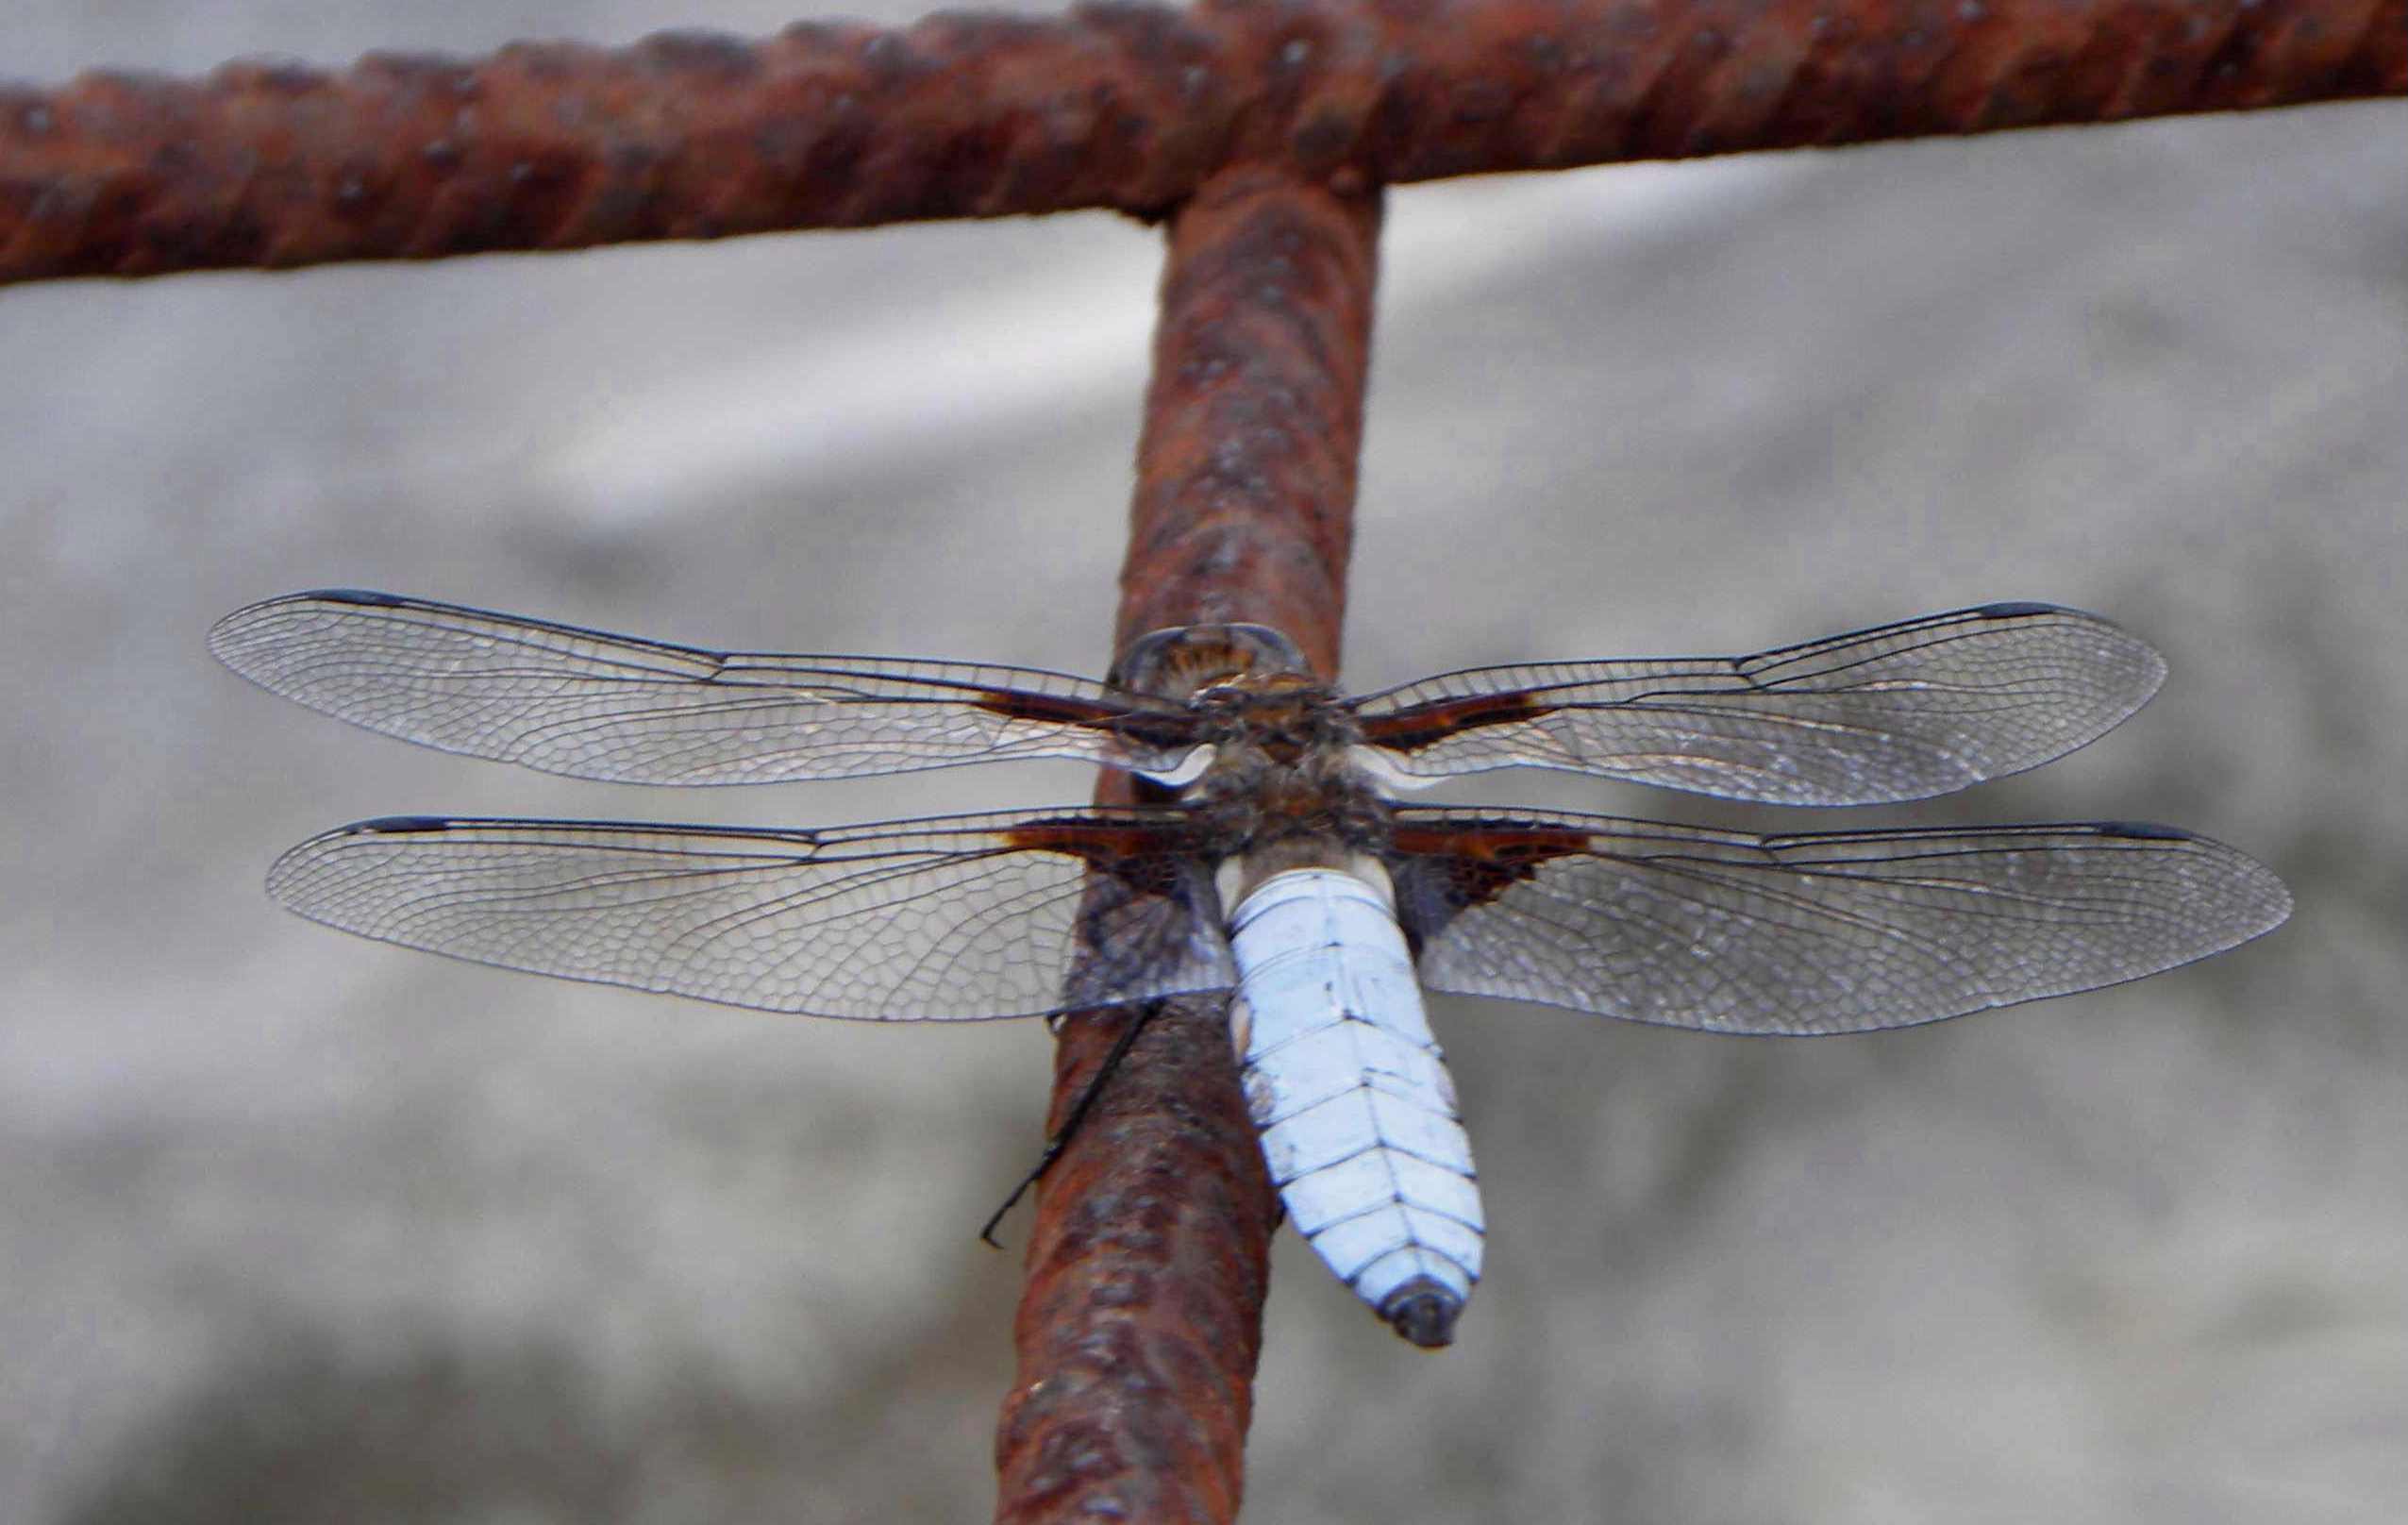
(299, 1227)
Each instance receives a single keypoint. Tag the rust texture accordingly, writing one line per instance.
(1245, 468)
(553, 146)
(1141, 1320)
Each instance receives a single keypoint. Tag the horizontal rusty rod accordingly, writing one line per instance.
(1128, 107)
(1141, 1320)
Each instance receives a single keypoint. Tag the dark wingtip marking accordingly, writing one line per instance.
(395, 825)
(2146, 832)
(369, 597)
(1424, 1313)
(2022, 610)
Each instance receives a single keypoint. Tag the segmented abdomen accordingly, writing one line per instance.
(1351, 1094)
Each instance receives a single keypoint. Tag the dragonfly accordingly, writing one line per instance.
(1273, 860)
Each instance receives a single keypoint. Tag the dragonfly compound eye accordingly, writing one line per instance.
(1176, 662)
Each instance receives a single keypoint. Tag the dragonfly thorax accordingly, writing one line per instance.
(1287, 807)
(1291, 720)
(1268, 721)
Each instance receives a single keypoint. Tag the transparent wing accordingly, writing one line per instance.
(1839, 932)
(952, 917)
(1902, 711)
(631, 710)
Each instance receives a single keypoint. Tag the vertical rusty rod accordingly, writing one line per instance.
(1141, 1320)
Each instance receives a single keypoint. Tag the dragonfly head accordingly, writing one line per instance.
(1185, 661)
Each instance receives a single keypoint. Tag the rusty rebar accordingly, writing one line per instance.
(1129, 107)
(1245, 468)
(1141, 1321)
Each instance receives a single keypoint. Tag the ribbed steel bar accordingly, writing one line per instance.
(1130, 106)
(1141, 1320)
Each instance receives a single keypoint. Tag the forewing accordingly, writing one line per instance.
(1839, 932)
(948, 918)
(630, 711)
(1901, 712)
